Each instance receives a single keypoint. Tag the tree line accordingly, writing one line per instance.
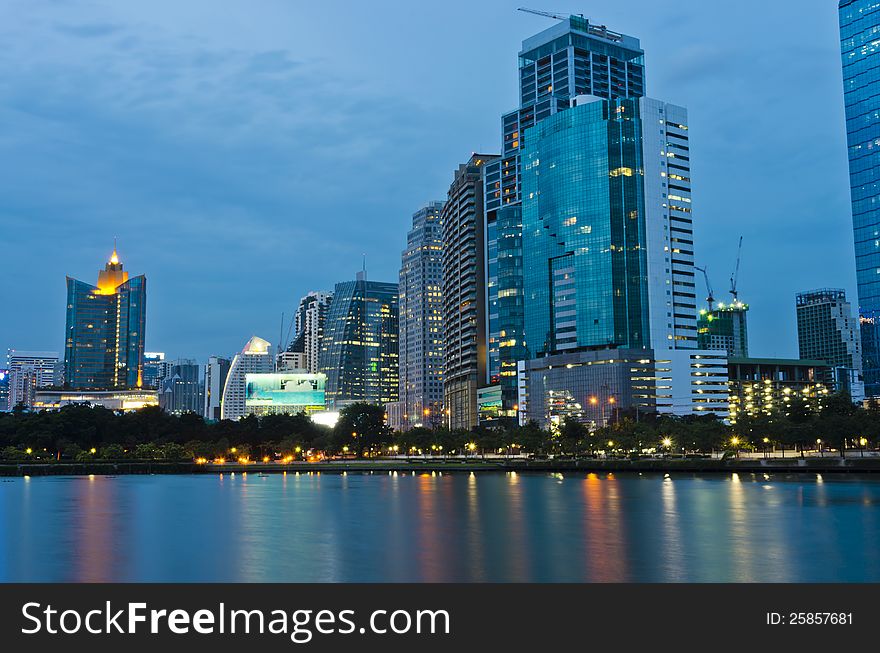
(86, 433)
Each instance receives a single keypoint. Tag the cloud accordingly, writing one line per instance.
(89, 31)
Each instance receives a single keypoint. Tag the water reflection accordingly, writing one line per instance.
(440, 527)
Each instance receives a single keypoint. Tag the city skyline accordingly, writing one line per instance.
(175, 269)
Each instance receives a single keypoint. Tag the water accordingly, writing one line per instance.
(449, 527)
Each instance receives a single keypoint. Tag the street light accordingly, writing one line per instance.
(821, 451)
(862, 443)
(766, 442)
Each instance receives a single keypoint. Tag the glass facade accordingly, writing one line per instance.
(860, 49)
(104, 343)
(359, 350)
(505, 342)
(569, 59)
(585, 278)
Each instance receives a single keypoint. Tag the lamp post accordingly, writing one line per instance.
(766, 442)
(862, 442)
(821, 450)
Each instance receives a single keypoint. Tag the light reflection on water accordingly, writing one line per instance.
(424, 527)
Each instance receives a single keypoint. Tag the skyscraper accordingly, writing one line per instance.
(309, 320)
(255, 358)
(607, 229)
(421, 320)
(859, 27)
(359, 351)
(216, 371)
(28, 372)
(464, 294)
(569, 59)
(181, 390)
(104, 336)
(607, 234)
(828, 331)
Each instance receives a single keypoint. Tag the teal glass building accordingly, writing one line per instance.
(571, 58)
(860, 50)
(104, 334)
(359, 350)
(584, 239)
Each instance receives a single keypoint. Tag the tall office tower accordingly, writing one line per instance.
(859, 26)
(104, 336)
(255, 358)
(724, 327)
(464, 294)
(607, 229)
(181, 390)
(608, 249)
(359, 351)
(216, 371)
(30, 371)
(828, 331)
(421, 320)
(569, 59)
(4, 390)
(311, 315)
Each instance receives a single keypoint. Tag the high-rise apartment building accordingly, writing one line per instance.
(464, 294)
(311, 314)
(216, 371)
(421, 320)
(181, 390)
(255, 358)
(828, 331)
(359, 349)
(104, 335)
(30, 371)
(859, 29)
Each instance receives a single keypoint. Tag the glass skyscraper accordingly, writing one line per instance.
(359, 350)
(860, 50)
(584, 224)
(569, 59)
(104, 335)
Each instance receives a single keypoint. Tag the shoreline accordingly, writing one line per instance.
(833, 465)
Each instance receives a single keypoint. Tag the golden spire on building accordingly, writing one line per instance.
(112, 275)
(114, 257)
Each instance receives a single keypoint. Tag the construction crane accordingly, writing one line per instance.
(546, 14)
(710, 300)
(734, 278)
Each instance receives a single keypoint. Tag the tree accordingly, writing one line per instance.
(572, 433)
(363, 425)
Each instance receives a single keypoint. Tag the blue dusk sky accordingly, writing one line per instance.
(246, 152)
